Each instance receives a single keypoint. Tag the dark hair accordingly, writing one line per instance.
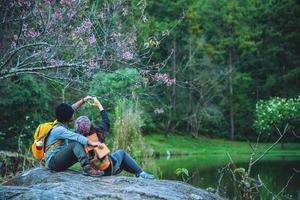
(98, 131)
(64, 113)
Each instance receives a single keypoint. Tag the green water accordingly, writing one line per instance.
(274, 171)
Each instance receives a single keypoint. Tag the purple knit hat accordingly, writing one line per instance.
(82, 125)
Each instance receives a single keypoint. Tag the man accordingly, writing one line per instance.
(64, 147)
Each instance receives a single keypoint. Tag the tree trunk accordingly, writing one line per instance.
(174, 77)
(230, 66)
(190, 87)
(173, 94)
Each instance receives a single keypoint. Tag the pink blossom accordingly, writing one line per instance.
(67, 2)
(144, 72)
(47, 2)
(161, 77)
(164, 78)
(57, 15)
(171, 82)
(56, 62)
(87, 24)
(90, 67)
(71, 14)
(85, 27)
(79, 30)
(13, 44)
(49, 25)
(24, 3)
(114, 34)
(32, 34)
(92, 63)
(62, 1)
(119, 44)
(92, 39)
(127, 55)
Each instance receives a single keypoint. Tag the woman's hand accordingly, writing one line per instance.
(97, 103)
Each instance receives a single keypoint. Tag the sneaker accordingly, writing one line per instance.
(145, 175)
(88, 170)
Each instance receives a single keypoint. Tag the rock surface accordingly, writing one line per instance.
(41, 183)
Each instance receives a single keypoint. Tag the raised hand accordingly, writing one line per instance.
(97, 103)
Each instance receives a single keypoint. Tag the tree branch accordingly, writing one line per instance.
(15, 51)
(271, 147)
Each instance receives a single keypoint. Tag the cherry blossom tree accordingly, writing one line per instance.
(69, 38)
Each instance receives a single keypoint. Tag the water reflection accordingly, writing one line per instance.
(274, 171)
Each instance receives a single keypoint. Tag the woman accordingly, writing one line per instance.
(120, 159)
(63, 147)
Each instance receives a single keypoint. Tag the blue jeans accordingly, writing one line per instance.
(122, 161)
(67, 156)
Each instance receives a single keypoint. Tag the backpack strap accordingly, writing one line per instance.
(58, 142)
(55, 144)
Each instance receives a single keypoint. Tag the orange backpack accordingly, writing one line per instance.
(40, 135)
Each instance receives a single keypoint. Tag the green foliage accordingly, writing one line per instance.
(240, 171)
(189, 41)
(127, 126)
(183, 173)
(23, 105)
(110, 87)
(277, 112)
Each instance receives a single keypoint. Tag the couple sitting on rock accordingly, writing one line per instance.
(70, 148)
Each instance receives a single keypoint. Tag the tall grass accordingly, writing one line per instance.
(127, 126)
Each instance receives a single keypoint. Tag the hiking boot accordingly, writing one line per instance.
(145, 175)
(88, 170)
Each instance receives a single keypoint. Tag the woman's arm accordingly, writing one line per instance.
(105, 123)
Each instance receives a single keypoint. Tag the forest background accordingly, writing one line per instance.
(215, 68)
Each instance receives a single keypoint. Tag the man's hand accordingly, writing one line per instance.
(81, 102)
(85, 99)
(95, 144)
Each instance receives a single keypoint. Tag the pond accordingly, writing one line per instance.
(274, 171)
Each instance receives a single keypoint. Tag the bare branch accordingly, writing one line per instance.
(15, 51)
(296, 135)
(296, 170)
(271, 147)
(288, 182)
(268, 190)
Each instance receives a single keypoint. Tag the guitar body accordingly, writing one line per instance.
(99, 158)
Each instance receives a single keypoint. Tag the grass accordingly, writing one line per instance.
(182, 145)
(206, 150)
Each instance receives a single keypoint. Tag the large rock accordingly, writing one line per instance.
(41, 183)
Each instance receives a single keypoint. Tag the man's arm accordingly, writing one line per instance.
(79, 103)
(70, 135)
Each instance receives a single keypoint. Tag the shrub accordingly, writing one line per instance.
(277, 112)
